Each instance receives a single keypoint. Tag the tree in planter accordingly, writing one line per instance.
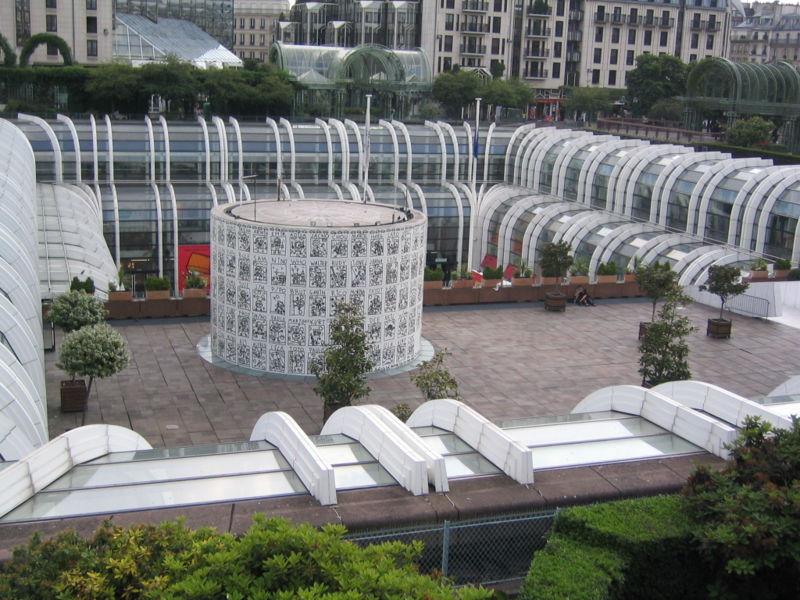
(656, 281)
(664, 351)
(342, 376)
(434, 380)
(76, 309)
(95, 351)
(555, 259)
(724, 281)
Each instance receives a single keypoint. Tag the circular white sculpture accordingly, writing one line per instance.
(278, 269)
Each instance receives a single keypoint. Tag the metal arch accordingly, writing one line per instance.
(538, 154)
(151, 145)
(454, 140)
(167, 150)
(744, 198)
(277, 136)
(95, 164)
(409, 152)
(159, 229)
(206, 146)
(766, 208)
(590, 166)
(656, 152)
(223, 149)
(327, 132)
(292, 154)
(491, 202)
(438, 130)
(233, 121)
(344, 143)
(76, 144)
(666, 180)
(357, 135)
(486, 149)
(708, 183)
(666, 242)
(423, 203)
(615, 177)
(213, 193)
(460, 210)
(540, 220)
(509, 222)
(764, 187)
(470, 196)
(519, 131)
(174, 205)
(51, 135)
(582, 225)
(526, 146)
(110, 149)
(620, 236)
(115, 204)
(470, 165)
(395, 147)
(568, 153)
(697, 272)
(702, 255)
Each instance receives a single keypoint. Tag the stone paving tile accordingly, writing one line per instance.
(509, 360)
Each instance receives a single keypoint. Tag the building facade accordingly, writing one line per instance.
(767, 33)
(254, 27)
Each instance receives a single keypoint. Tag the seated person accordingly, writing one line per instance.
(582, 297)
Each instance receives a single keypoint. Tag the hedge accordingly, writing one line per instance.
(639, 548)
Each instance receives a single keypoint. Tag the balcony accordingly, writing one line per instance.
(541, 74)
(538, 32)
(697, 25)
(616, 19)
(473, 49)
(601, 17)
(474, 27)
(666, 23)
(576, 15)
(572, 57)
(634, 20)
(537, 53)
(534, 10)
(574, 36)
(713, 26)
(649, 21)
(474, 6)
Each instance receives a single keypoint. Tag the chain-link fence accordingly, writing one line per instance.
(478, 551)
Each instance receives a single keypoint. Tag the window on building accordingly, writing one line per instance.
(50, 4)
(662, 41)
(51, 23)
(496, 21)
(252, 23)
(495, 45)
(615, 35)
(91, 47)
(498, 5)
(559, 28)
(448, 43)
(556, 70)
(598, 34)
(695, 40)
(556, 49)
(631, 36)
(450, 3)
(52, 49)
(648, 37)
(447, 63)
(629, 58)
(614, 57)
(241, 39)
(560, 8)
(91, 4)
(91, 24)
(263, 23)
(612, 78)
(262, 40)
(241, 23)
(692, 58)
(710, 42)
(598, 56)
(252, 39)
(449, 21)
(595, 76)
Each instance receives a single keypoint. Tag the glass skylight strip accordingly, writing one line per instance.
(184, 451)
(52, 505)
(468, 465)
(343, 454)
(571, 418)
(89, 476)
(349, 477)
(566, 433)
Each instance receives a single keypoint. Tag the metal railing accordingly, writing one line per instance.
(749, 305)
(478, 551)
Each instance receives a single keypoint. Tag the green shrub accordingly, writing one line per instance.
(490, 273)
(272, 560)
(76, 309)
(94, 351)
(78, 285)
(194, 282)
(782, 264)
(154, 284)
(609, 268)
(758, 264)
(436, 274)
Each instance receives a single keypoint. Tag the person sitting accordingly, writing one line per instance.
(582, 297)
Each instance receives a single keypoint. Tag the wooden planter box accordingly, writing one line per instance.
(550, 280)
(458, 284)
(194, 293)
(760, 275)
(606, 279)
(431, 285)
(579, 279)
(555, 301)
(120, 296)
(643, 327)
(719, 328)
(522, 281)
(73, 395)
(781, 274)
(157, 294)
(629, 278)
(490, 283)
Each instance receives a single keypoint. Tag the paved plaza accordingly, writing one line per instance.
(510, 361)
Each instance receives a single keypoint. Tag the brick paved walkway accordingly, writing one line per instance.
(510, 361)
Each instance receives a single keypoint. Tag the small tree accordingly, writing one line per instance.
(555, 259)
(76, 309)
(724, 281)
(664, 351)
(750, 132)
(93, 351)
(434, 380)
(342, 376)
(656, 281)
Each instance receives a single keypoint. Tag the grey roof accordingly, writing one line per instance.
(181, 38)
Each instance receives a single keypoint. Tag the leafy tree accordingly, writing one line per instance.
(93, 351)
(456, 90)
(555, 259)
(667, 109)
(272, 560)
(434, 380)
(113, 88)
(9, 56)
(750, 132)
(655, 78)
(724, 281)
(496, 68)
(656, 281)
(76, 309)
(506, 92)
(342, 376)
(174, 81)
(430, 111)
(664, 351)
(747, 514)
(590, 100)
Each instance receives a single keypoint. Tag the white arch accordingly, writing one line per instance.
(277, 136)
(766, 209)
(409, 152)
(697, 271)
(328, 142)
(395, 148)
(206, 146)
(239, 150)
(292, 154)
(51, 135)
(487, 152)
(519, 131)
(281, 430)
(507, 227)
(222, 134)
(619, 235)
(666, 179)
(345, 147)
(744, 198)
(151, 146)
(647, 158)
(443, 148)
(569, 152)
(454, 140)
(591, 165)
(75, 142)
(491, 442)
(541, 218)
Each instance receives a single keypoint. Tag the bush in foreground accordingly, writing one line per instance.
(169, 561)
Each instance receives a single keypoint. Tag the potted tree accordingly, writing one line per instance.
(194, 286)
(758, 269)
(157, 288)
(492, 277)
(725, 282)
(76, 309)
(655, 281)
(523, 274)
(342, 375)
(433, 278)
(555, 259)
(434, 380)
(664, 351)
(607, 272)
(781, 268)
(93, 351)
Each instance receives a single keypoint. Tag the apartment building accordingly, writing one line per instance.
(85, 25)
(767, 33)
(254, 25)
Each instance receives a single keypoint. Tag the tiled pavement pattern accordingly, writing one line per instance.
(510, 361)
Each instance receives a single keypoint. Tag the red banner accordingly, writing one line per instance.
(510, 271)
(195, 259)
(489, 261)
(477, 276)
